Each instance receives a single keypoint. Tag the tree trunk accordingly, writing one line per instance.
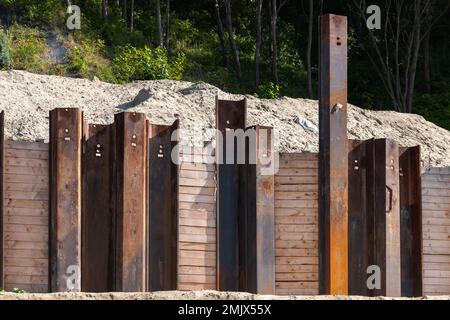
(221, 33)
(273, 38)
(158, 24)
(105, 11)
(132, 16)
(237, 63)
(124, 12)
(167, 24)
(308, 53)
(259, 4)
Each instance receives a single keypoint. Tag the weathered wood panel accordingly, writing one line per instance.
(197, 267)
(436, 231)
(297, 228)
(26, 219)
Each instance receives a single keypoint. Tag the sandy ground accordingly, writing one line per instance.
(27, 98)
(188, 295)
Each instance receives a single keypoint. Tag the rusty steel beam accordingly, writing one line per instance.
(130, 216)
(411, 222)
(361, 206)
(230, 115)
(387, 217)
(65, 199)
(2, 161)
(98, 208)
(333, 164)
(163, 208)
(257, 219)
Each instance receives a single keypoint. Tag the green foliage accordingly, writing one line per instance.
(18, 290)
(5, 56)
(146, 64)
(435, 107)
(87, 58)
(28, 49)
(268, 91)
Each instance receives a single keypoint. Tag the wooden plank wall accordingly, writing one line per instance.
(296, 225)
(196, 224)
(436, 231)
(26, 222)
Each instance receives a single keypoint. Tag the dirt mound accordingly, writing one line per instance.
(27, 98)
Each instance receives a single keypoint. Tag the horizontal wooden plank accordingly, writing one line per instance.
(298, 244)
(25, 262)
(197, 278)
(436, 259)
(197, 167)
(27, 145)
(32, 171)
(436, 250)
(18, 236)
(209, 271)
(436, 199)
(439, 281)
(26, 187)
(197, 230)
(196, 286)
(298, 164)
(296, 212)
(297, 236)
(296, 220)
(25, 271)
(297, 285)
(436, 192)
(197, 198)
(436, 243)
(434, 184)
(197, 254)
(23, 162)
(296, 196)
(201, 262)
(21, 244)
(440, 266)
(195, 238)
(195, 206)
(296, 252)
(26, 253)
(296, 188)
(31, 288)
(436, 221)
(197, 214)
(23, 178)
(27, 228)
(196, 246)
(285, 172)
(438, 170)
(26, 279)
(29, 220)
(20, 203)
(298, 156)
(27, 195)
(209, 183)
(190, 174)
(297, 260)
(436, 178)
(27, 212)
(26, 154)
(296, 204)
(296, 180)
(197, 222)
(436, 273)
(290, 276)
(279, 268)
(435, 235)
(197, 191)
(435, 214)
(297, 229)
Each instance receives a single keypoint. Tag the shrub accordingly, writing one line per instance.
(268, 91)
(87, 58)
(5, 57)
(145, 64)
(28, 49)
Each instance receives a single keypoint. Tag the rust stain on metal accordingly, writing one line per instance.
(65, 199)
(333, 155)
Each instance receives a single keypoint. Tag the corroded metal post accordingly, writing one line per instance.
(333, 204)
(65, 199)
